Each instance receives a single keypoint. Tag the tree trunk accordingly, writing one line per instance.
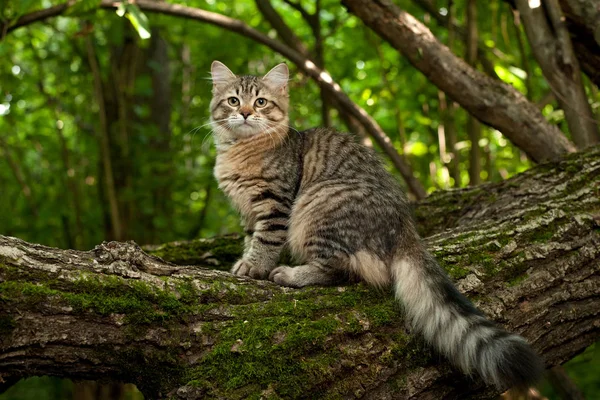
(526, 251)
(582, 18)
(473, 126)
(116, 229)
(583, 21)
(489, 100)
(552, 48)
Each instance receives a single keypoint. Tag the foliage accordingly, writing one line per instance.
(52, 164)
(52, 131)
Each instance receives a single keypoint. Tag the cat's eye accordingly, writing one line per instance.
(260, 102)
(233, 101)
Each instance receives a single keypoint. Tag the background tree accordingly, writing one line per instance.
(103, 114)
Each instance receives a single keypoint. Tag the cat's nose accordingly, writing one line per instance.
(246, 114)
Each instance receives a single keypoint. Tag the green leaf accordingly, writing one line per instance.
(82, 7)
(121, 10)
(138, 20)
(14, 10)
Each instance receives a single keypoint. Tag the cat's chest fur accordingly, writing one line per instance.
(239, 171)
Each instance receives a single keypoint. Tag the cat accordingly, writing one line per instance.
(331, 201)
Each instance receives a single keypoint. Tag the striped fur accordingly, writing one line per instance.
(331, 201)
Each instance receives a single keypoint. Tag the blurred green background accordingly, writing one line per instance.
(90, 89)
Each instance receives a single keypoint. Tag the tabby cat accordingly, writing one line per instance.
(330, 200)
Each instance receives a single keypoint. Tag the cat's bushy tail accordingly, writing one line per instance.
(451, 324)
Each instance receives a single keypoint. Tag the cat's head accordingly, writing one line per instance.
(247, 106)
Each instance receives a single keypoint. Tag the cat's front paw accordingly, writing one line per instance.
(245, 268)
(283, 276)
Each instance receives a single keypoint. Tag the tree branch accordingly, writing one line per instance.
(19, 176)
(320, 76)
(290, 38)
(526, 250)
(491, 101)
(583, 22)
(444, 20)
(108, 172)
(551, 46)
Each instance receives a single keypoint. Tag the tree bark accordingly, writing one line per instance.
(526, 250)
(552, 48)
(491, 101)
(583, 21)
(104, 139)
(473, 126)
(448, 22)
(582, 18)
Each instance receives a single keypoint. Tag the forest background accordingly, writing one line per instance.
(104, 129)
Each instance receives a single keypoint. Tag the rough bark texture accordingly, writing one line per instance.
(527, 251)
(553, 50)
(489, 100)
(583, 21)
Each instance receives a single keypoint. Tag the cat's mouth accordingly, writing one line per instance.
(245, 128)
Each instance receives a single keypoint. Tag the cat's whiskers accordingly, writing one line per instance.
(282, 135)
(192, 132)
(262, 125)
(220, 129)
(275, 128)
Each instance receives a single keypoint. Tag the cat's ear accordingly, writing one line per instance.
(278, 77)
(221, 75)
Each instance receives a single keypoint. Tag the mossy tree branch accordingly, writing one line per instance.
(527, 251)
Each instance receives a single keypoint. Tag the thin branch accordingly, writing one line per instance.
(323, 78)
(308, 17)
(523, 54)
(283, 30)
(473, 126)
(111, 193)
(35, 16)
(19, 176)
(445, 21)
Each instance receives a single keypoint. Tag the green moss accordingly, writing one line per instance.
(283, 340)
(271, 343)
(503, 240)
(486, 260)
(412, 350)
(516, 280)
(452, 268)
(258, 351)
(217, 253)
(139, 303)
